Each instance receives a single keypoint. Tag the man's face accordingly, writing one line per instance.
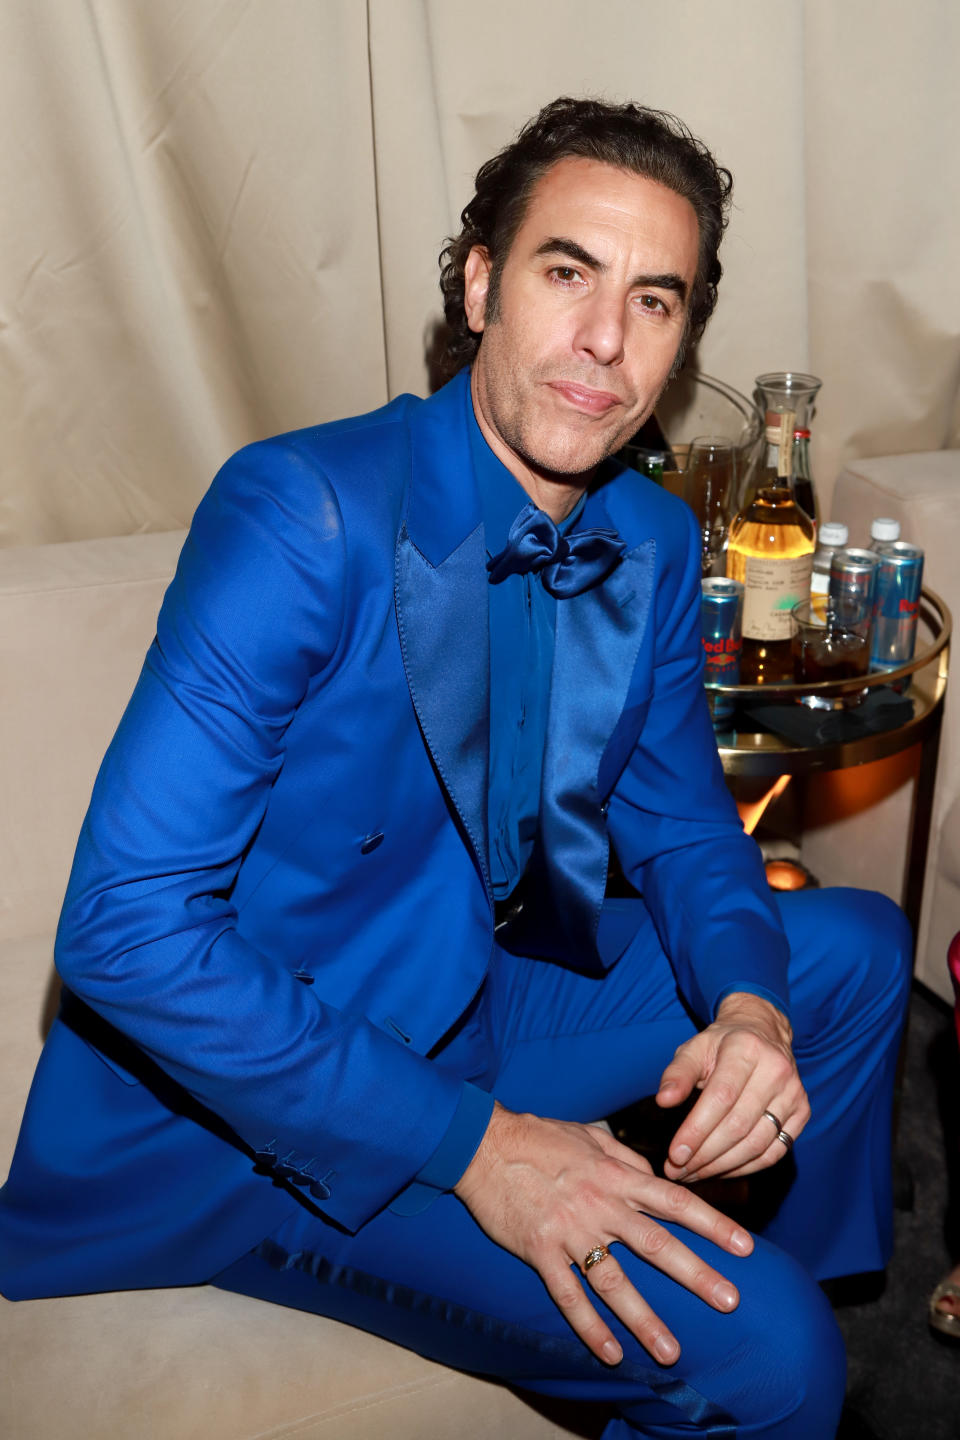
(592, 308)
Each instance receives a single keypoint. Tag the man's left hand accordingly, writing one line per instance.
(743, 1064)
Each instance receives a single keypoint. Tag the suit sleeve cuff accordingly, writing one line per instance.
(452, 1156)
(749, 987)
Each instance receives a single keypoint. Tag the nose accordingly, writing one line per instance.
(599, 334)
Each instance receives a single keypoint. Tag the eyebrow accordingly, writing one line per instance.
(560, 245)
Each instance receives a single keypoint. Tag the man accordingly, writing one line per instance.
(414, 670)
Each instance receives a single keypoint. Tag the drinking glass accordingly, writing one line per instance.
(709, 488)
(825, 649)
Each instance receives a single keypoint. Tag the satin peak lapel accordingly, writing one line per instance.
(441, 599)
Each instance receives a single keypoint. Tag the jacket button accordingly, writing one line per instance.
(320, 1190)
(371, 842)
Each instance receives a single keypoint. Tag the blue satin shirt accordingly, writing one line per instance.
(523, 618)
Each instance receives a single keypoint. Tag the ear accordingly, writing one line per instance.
(476, 283)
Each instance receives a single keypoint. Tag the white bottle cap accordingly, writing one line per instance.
(885, 529)
(835, 533)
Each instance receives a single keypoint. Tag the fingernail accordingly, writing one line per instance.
(612, 1352)
(681, 1155)
(666, 1348)
(741, 1242)
(725, 1295)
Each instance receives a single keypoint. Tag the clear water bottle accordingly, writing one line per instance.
(882, 531)
(833, 536)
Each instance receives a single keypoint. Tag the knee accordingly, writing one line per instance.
(852, 948)
(874, 933)
(790, 1360)
(877, 920)
(774, 1366)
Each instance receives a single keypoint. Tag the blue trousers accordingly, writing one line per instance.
(559, 1044)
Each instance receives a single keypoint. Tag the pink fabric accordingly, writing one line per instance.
(953, 960)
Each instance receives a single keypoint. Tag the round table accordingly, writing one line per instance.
(755, 751)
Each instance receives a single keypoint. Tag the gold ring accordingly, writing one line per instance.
(598, 1253)
(777, 1123)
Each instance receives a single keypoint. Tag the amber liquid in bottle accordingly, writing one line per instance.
(770, 551)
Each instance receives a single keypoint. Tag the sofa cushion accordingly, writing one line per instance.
(204, 1364)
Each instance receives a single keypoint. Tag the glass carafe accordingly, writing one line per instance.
(777, 393)
(772, 539)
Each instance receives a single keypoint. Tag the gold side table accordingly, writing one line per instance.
(757, 752)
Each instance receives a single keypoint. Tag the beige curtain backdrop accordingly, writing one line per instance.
(222, 218)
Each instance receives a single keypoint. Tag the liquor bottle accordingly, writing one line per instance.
(833, 536)
(803, 488)
(771, 544)
(649, 451)
(650, 436)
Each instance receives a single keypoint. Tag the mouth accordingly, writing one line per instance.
(583, 398)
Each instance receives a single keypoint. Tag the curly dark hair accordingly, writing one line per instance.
(651, 143)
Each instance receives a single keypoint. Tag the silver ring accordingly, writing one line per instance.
(598, 1253)
(785, 1139)
(777, 1124)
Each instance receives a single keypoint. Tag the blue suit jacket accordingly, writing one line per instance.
(280, 900)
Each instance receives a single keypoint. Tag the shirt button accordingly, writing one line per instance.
(371, 842)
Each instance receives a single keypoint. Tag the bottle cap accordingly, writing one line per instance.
(835, 533)
(885, 529)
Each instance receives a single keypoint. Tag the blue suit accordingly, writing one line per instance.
(280, 909)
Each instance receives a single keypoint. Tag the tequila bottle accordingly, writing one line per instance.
(772, 540)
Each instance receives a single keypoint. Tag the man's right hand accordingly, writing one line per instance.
(549, 1191)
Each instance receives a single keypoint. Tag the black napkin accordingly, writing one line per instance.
(883, 709)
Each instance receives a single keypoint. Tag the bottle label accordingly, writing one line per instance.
(780, 434)
(771, 589)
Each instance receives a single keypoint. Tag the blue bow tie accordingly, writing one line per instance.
(567, 565)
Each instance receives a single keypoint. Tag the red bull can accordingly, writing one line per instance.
(721, 620)
(853, 584)
(896, 604)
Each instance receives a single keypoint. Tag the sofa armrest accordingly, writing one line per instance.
(75, 623)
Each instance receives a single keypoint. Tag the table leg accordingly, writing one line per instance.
(920, 817)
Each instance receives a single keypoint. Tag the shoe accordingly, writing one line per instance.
(945, 1321)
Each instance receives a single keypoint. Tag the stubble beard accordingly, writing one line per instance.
(517, 424)
(570, 453)
(564, 458)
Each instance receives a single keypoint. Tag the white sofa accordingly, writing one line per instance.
(178, 1364)
(75, 620)
(856, 820)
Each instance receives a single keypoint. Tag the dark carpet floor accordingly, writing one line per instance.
(904, 1384)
